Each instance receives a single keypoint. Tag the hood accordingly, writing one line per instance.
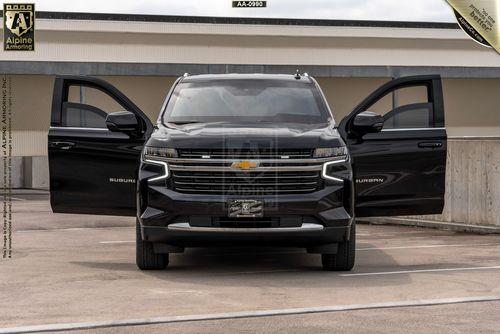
(226, 135)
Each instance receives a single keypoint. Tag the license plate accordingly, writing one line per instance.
(245, 208)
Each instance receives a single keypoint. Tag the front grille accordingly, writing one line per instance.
(281, 171)
(248, 183)
(243, 153)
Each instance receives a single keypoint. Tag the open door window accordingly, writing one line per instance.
(397, 140)
(95, 141)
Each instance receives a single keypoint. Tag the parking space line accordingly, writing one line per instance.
(69, 229)
(243, 314)
(117, 242)
(409, 234)
(429, 246)
(420, 271)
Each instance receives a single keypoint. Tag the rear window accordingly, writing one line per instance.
(246, 101)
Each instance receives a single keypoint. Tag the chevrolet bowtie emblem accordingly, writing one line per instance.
(244, 165)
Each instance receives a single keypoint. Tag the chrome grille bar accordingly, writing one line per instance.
(244, 175)
(248, 191)
(258, 169)
(246, 153)
(229, 161)
(245, 184)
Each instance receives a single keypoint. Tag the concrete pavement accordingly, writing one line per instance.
(464, 318)
(76, 268)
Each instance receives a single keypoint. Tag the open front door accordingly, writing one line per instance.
(92, 169)
(400, 168)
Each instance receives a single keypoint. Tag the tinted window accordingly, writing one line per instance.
(87, 107)
(240, 101)
(405, 108)
(417, 115)
(83, 116)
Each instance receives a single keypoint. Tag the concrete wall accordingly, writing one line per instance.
(16, 175)
(472, 182)
(27, 172)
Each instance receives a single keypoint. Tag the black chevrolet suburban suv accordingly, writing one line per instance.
(247, 159)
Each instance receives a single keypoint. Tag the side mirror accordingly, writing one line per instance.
(122, 121)
(367, 122)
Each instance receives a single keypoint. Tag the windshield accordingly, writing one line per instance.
(246, 101)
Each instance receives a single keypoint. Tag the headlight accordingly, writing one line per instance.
(335, 169)
(161, 152)
(151, 155)
(340, 153)
(164, 174)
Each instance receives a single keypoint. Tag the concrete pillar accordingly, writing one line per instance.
(16, 172)
(36, 172)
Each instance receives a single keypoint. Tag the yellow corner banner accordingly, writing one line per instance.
(483, 16)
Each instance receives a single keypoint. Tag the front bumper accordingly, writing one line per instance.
(184, 235)
(166, 217)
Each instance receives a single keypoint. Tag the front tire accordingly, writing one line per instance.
(146, 258)
(346, 254)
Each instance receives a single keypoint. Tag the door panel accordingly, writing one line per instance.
(92, 170)
(400, 170)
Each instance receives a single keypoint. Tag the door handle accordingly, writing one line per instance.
(430, 144)
(63, 145)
